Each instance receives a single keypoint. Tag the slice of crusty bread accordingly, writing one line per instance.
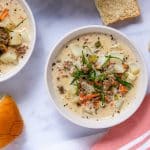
(113, 11)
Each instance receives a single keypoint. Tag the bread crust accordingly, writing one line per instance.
(113, 11)
(11, 123)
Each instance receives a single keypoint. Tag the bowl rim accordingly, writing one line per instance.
(27, 8)
(101, 27)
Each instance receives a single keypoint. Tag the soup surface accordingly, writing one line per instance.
(14, 34)
(95, 76)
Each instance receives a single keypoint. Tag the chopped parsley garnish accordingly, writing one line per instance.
(125, 83)
(99, 85)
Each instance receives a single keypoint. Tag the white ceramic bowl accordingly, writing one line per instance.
(15, 70)
(107, 122)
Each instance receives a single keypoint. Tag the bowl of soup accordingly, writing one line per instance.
(17, 36)
(96, 77)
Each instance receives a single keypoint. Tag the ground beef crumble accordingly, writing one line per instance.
(21, 51)
(61, 89)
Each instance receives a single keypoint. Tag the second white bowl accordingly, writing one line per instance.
(24, 61)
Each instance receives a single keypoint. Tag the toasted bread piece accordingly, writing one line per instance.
(11, 123)
(113, 11)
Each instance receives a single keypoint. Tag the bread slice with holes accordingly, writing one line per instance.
(113, 11)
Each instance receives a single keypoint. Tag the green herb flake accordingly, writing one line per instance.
(102, 100)
(77, 74)
(101, 77)
(98, 87)
(77, 88)
(110, 56)
(108, 59)
(98, 44)
(84, 60)
(92, 75)
(125, 83)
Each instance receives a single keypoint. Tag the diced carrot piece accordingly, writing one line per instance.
(107, 98)
(88, 96)
(96, 104)
(122, 89)
(125, 66)
(4, 14)
(81, 95)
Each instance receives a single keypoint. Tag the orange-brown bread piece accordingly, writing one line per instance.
(11, 123)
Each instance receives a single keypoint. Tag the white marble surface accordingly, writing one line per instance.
(45, 128)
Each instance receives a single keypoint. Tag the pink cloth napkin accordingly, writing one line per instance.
(132, 134)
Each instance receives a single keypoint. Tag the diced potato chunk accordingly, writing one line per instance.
(76, 49)
(119, 104)
(114, 60)
(25, 36)
(131, 77)
(118, 68)
(117, 54)
(9, 57)
(8, 23)
(101, 60)
(15, 39)
(134, 68)
(116, 46)
(72, 90)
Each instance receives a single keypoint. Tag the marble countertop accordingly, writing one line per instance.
(45, 128)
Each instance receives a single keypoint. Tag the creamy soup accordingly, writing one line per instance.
(95, 76)
(14, 34)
